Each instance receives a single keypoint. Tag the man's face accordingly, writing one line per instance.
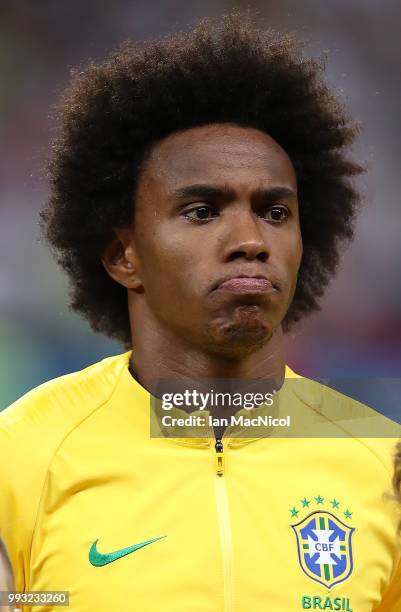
(214, 204)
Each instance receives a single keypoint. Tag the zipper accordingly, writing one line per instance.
(219, 457)
(224, 527)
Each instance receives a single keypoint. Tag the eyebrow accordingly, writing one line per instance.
(227, 193)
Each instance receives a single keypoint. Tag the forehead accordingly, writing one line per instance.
(218, 153)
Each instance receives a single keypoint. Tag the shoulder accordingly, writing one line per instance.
(34, 425)
(341, 416)
(32, 429)
(59, 404)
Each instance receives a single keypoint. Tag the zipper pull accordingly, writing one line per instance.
(219, 457)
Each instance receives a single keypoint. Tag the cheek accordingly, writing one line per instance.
(289, 246)
(298, 254)
(293, 250)
(289, 256)
(168, 262)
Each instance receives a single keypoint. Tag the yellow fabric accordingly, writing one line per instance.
(77, 465)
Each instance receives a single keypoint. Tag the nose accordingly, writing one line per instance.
(244, 238)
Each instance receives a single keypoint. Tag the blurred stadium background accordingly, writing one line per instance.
(357, 334)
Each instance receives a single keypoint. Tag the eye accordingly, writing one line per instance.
(276, 214)
(200, 213)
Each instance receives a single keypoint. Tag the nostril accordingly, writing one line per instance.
(262, 257)
(236, 255)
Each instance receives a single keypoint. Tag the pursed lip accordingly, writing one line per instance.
(232, 277)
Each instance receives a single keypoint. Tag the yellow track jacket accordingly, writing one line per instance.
(92, 505)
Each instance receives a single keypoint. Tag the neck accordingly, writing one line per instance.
(161, 354)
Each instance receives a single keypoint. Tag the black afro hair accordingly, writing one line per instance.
(223, 71)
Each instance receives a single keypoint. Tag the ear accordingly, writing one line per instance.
(120, 259)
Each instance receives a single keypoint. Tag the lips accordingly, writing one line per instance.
(246, 284)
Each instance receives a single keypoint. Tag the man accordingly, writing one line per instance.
(200, 193)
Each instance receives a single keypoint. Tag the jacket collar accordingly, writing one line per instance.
(149, 415)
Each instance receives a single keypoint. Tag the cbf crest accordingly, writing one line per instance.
(324, 545)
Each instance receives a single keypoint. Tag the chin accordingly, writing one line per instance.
(247, 332)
